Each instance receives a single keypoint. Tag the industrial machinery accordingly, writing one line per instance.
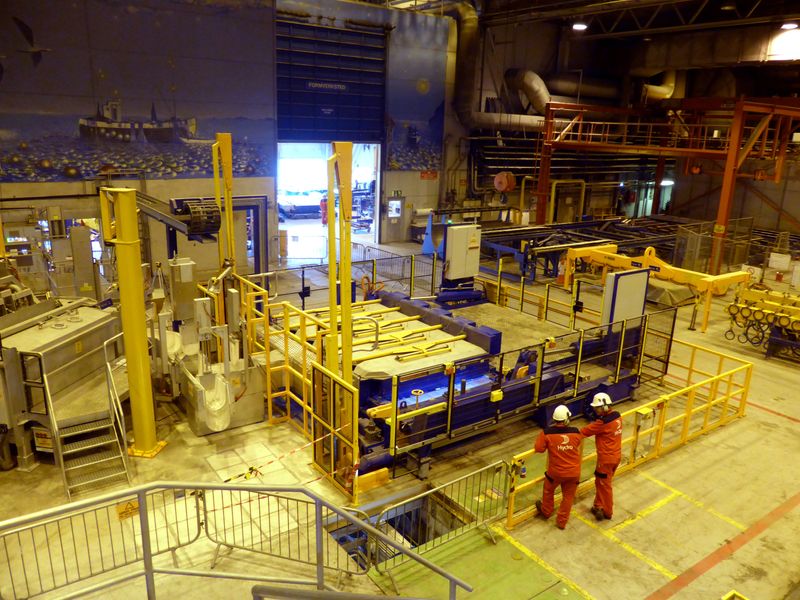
(695, 282)
(218, 388)
(461, 263)
(410, 403)
(768, 319)
(56, 377)
(426, 377)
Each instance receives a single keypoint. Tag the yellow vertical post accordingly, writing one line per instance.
(433, 274)
(225, 143)
(499, 280)
(411, 285)
(131, 295)
(344, 168)
(332, 341)
(217, 194)
(2, 241)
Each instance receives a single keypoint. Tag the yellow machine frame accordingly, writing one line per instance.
(702, 283)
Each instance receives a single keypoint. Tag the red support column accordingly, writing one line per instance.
(728, 187)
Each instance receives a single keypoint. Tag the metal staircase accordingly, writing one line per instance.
(89, 449)
(92, 454)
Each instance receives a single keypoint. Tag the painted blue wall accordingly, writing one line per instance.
(415, 79)
(211, 63)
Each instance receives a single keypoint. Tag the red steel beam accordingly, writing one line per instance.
(728, 186)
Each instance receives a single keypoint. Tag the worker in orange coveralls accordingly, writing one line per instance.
(607, 429)
(563, 445)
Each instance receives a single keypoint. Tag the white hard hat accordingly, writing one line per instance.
(561, 413)
(601, 399)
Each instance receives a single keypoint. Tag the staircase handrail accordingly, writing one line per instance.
(48, 402)
(141, 491)
(116, 413)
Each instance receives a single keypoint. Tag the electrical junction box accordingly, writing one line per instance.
(495, 395)
(462, 251)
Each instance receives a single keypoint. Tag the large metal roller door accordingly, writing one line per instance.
(330, 82)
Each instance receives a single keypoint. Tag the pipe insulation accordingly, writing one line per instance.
(663, 91)
(530, 84)
(467, 57)
(572, 84)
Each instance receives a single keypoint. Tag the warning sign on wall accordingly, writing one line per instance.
(429, 174)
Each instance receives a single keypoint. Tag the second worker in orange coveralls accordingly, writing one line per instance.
(563, 445)
(608, 431)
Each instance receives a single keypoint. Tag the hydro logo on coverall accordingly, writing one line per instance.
(565, 445)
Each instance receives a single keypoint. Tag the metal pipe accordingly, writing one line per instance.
(530, 84)
(466, 68)
(377, 325)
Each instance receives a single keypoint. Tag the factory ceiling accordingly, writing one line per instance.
(622, 18)
(626, 18)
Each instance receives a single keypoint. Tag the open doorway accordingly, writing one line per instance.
(303, 191)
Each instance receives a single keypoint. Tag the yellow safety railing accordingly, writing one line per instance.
(709, 389)
(298, 337)
(516, 296)
(335, 431)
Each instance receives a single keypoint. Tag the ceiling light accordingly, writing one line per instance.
(667, 182)
(578, 26)
(786, 26)
(728, 6)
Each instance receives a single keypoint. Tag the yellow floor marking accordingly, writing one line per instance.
(608, 534)
(645, 511)
(697, 503)
(539, 561)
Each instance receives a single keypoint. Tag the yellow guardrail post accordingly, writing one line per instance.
(411, 285)
(332, 341)
(661, 407)
(621, 350)
(344, 168)
(578, 365)
(546, 300)
(395, 421)
(574, 299)
(433, 274)
(499, 280)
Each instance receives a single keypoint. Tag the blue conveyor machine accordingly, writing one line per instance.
(406, 414)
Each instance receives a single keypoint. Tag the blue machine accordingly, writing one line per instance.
(404, 416)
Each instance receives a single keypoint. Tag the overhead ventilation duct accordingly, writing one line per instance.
(466, 68)
(573, 84)
(530, 84)
(663, 91)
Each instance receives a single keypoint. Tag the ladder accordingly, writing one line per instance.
(89, 450)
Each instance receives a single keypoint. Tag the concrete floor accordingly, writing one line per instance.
(718, 515)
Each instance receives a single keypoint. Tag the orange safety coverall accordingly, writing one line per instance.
(563, 447)
(607, 430)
